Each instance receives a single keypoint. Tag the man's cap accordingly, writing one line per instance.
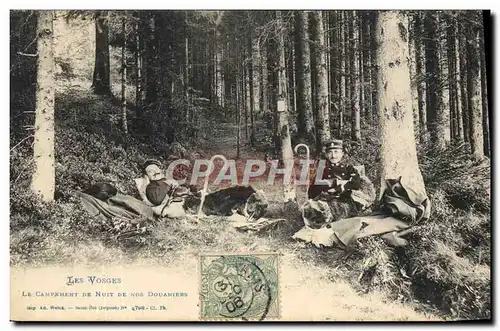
(333, 144)
(150, 162)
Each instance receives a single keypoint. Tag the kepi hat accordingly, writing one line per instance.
(333, 144)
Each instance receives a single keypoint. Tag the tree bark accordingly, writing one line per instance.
(457, 81)
(474, 90)
(367, 72)
(342, 82)
(463, 84)
(282, 114)
(435, 107)
(354, 72)
(420, 81)
(450, 36)
(152, 60)
(253, 68)
(139, 60)
(484, 95)
(334, 68)
(43, 179)
(398, 156)
(413, 74)
(101, 80)
(305, 120)
(264, 106)
(124, 79)
(321, 79)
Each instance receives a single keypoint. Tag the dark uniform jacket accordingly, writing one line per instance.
(334, 172)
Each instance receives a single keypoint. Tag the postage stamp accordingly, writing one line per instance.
(239, 286)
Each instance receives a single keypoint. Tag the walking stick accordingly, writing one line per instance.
(205, 186)
(308, 154)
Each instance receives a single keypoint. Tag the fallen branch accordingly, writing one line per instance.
(19, 143)
(26, 54)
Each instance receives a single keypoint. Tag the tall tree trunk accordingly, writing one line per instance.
(219, 86)
(152, 60)
(374, 65)
(264, 106)
(444, 117)
(457, 81)
(334, 68)
(124, 79)
(321, 79)
(361, 78)
(367, 73)
(347, 63)
(248, 98)
(101, 80)
(253, 68)
(435, 108)
(474, 90)
(138, 60)
(420, 79)
(463, 83)
(484, 95)
(305, 120)
(399, 156)
(413, 74)
(186, 62)
(43, 180)
(282, 114)
(450, 36)
(342, 82)
(355, 115)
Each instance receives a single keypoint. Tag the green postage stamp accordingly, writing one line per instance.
(239, 286)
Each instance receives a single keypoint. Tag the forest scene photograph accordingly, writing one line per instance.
(355, 143)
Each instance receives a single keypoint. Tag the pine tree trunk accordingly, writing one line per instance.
(43, 180)
(101, 79)
(395, 103)
(463, 84)
(124, 79)
(334, 68)
(413, 76)
(374, 65)
(435, 107)
(450, 37)
(248, 98)
(264, 106)
(305, 120)
(138, 60)
(219, 46)
(361, 77)
(484, 96)
(282, 114)
(152, 61)
(367, 72)
(342, 81)
(355, 95)
(457, 81)
(443, 81)
(253, 68)
(474, 91)
(420, 81)
(321, 79)
(347, 62)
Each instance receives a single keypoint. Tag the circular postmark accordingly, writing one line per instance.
(239, 287)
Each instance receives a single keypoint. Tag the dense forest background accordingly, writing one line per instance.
(94, 93)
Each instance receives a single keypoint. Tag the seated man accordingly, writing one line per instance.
(346, 191)
(165, 196)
